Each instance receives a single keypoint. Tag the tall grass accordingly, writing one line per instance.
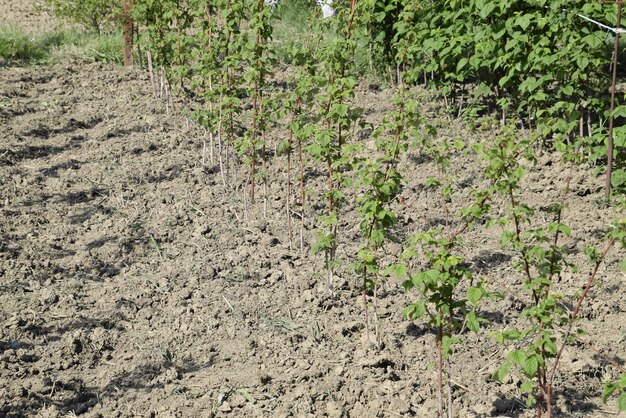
(18, 47)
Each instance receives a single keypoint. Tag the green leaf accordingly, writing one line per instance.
(619, 178)
(501, 373)
(524, 21)
(474, 294)
(462, 63)
(446, 345)
(517, 357)
(620, 111)
(247, 395)
(608, 390)
(487, 9)
(526, 387)
(414, 310)
(530, 366)
(621, 402)
(399, 270)
(472, 322)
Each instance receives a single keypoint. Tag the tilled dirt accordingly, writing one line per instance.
(132, 283)
(22, 14)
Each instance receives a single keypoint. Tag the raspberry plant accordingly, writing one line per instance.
(527, 63)
(259, 58)
(442, 275)
(336, 122)
(382, 182)
(542, 260)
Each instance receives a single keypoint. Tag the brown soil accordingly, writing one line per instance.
(22, 14)
(131, 284)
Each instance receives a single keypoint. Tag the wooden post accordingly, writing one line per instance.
(128, 34)
(609, 154)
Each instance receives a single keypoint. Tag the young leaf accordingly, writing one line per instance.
(621, 402)
(526, 387)
(517, 357)
(472, 322)
(474, 294)
(414, 310)
(501, 373)
(608, 390)
(530, 366)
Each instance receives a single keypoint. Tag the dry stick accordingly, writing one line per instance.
(255, 116)
(376, 327)
(204, 148)
(440, 365)
(367, 321)
(264, 161)
(581, 122)
(288, 206)
(451, 324)
(449, 380)
(139, 54)
(161, 83)
(211, 146)
(212, 142)
(219, 141)
(151, 72)
(330, 190)
(168, 89)
(609, 156)
(245, 204)
(301, 194)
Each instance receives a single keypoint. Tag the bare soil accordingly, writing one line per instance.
(133, 284)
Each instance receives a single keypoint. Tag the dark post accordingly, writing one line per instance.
(128, 34)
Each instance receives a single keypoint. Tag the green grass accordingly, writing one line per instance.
(16, 46)
(19, 48)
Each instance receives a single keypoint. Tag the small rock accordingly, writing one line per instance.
(334, 410)
(483, 410)
(48, 297)
(225, 407)
(400, 406)
(307, 296)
